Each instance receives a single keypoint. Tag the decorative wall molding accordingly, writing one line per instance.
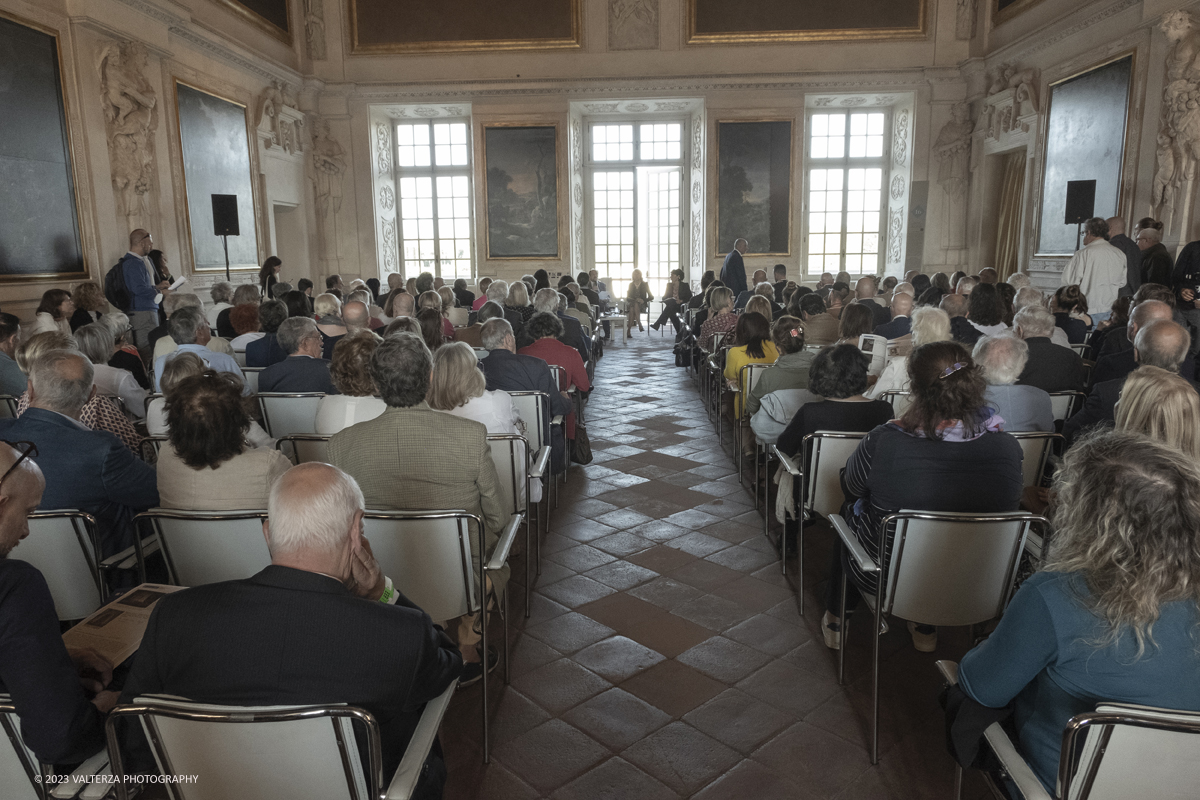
(280, 124)
(1024, 49)
(1010, 113)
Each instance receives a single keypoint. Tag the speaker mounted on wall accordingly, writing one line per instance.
(225, 215)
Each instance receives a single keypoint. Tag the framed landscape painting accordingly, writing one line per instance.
(521, 164)
(754, 178)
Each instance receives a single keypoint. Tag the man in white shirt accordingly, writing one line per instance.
(1098, 268)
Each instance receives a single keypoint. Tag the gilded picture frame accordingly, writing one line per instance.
(742, 171)
(522, 223)
(914, 32)
(1003, 13)
(572, 42)
(260, 22)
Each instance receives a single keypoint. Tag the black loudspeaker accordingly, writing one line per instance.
(225, 215)
(1081, 201)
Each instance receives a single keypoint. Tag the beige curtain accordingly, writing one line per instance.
(1008, 229)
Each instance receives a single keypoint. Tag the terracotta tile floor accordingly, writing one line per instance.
(665, 655)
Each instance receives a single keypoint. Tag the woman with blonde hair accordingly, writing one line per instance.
(928, 325)
(90, 304)
(328, 311)
(458, 387)
(1112, 613)
(759, 304)
(636, 300)
(351, 374)
(518, 299)
(1163, 406)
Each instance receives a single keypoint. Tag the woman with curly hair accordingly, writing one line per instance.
(351, 374)
(209, 465)
(1112, 613)
(946, 453)
(90, 304)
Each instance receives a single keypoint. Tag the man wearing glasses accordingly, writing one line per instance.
(143, 292)
(47, 682)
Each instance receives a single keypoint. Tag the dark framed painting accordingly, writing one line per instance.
(1085, 140)
(448, 26)
(271, 16)
(764, 21)
(521, 176)
(214, 139)
(1004, 10)
(39, 218)
(754, 185)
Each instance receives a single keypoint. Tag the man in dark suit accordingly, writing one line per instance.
(865, 293)
(1051, 367)
(1158, 344)
(759, 277)
(303, 370)
(1120, 361)
(733, 271)
(781, 281)
(960, 329)
(45, 680)
(85, 469)
(266, 351)
(1133, 255)
(320, 626)
(901, 324)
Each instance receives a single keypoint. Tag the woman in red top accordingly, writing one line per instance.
(545, 328)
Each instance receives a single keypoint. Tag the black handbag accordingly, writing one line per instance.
(581, 446)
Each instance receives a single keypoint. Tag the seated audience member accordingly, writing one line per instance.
(920, 283)
(1120, 338)
(790, 370)
(1028, 296)
(432, 330)
(178, 369)
(956, 307)
(304, 370)
(1022, 408)
(928, 325)
(931, 297)
(469, 334)
(244, 319)
(1118, 319)
(448, 299)
(298, 304)
(208, 465)
(1163, 406)
(402, 325)
(320, 626)
(279, 290)
(247, 293)
(222, 297)
(1008, 296)
(328, 311)
(838, 377)
(165, 345)
(518, 300)
(760, 304)
(720, 319)
(125, 355)
(1121, 362)
(458, 387)
(189, 331)
(351, 374)
(1157, 344)
(357, 316)
(410, 286)
(705, 309)
(265, 351)
(546, 330)
(865, 292)
(985, 310)
(49, 684)
(391, 459)
(965, 285)
(12, 379)
(837, 299)
(751, 345)
(1050, 367)
(989, 276)
(54, 312)
(759, 276)
(698, 300)
(433, 301)
(464, 296)
(550, 301)
(857, 320)
(90, 304)
(1079, 630)
(482, 285)
(819, 327)
(95, 342)
(1069, 307)
(946, 453)
(85, 469)
(901, 324)
(305, 287)
(373, 314)
(403, 305)
(1018, 280)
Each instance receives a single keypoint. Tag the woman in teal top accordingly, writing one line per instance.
(1113, 614)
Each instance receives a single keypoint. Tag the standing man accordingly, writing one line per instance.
(1098, 268)
(1133, 255)
(780, 282)
(1185, 280)
(733, 271)
(144, 293)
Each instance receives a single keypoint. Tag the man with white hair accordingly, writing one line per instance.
(965, 285)
(1120, 363)
(1029, 296)
(1157, 264)
(191, 334)
(1098, 269)
(303, 370)
(160, 337)
(1019, 281)
(1048, 367)
(1001, 359)
(321, 625)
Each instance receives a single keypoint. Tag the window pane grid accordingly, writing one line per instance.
(659, 141)
(612, 193)
(435, 206)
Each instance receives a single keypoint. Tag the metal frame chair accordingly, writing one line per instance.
(1065, 404)
(305, 447)
(533, 434)
(156, 442)
(517, 468)
(1105, 754)
(231, 762)
(1083, 350)
(961, 577)
(18, 760)
(251, 374)
(409, 548)
(8, 406)
(199, 549)
(290, 419)
(892, 397)
(1036, 447)
(748, 377)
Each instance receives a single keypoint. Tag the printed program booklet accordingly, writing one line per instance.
(115, 630)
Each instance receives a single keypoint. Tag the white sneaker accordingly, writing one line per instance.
(924, 642)
(831, 627)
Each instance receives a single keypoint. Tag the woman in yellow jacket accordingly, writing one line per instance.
(752, 345)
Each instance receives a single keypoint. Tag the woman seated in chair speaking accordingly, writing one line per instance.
(1112, 613)
(947, 453)
(636, 300)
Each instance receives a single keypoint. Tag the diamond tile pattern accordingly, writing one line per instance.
(665, 656)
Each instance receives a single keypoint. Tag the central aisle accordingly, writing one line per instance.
(665, 656)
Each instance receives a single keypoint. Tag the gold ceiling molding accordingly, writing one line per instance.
(260, 22)
(572, 42)
(919, 31)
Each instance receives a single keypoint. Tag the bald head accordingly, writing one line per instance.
(1162, 343)
(20, 494)
(1146, 312)
(955, 305)
(760, 275)
(741, 245)
(140, 242)
(1116, 226)
(865, 287)
(314, 512)
(356, 315)
(403, 305)
(902, 305)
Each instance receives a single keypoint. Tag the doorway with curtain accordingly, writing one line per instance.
(1008, 217)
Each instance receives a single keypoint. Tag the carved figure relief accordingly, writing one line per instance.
(1178, 141)
(329, 166)
(964, 23)
(131, 118)
(953, 152)
(278, 119)
(314, 29)
(633, 24)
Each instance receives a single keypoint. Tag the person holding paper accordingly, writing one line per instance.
(49, 685)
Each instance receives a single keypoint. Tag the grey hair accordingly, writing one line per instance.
(95, 341)
(1154, 234)
(271, 315)
(1028, 296)
(173, 302)
(312, 520)
(1019, 280)
(185, 325)
(1034, 320)
(1096, 227)
(489, 311)
(293, 331)
(546, 300)
(498, 291)
(930, 325)
(56, 391)
(361, 295)
(1001, 359)
(221, 292)
(493, 333)
(247, 293)
(117, 324)
(765, 289)
(562, 303)
(401, 368)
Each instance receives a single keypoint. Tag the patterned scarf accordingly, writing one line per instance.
(953, 430)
